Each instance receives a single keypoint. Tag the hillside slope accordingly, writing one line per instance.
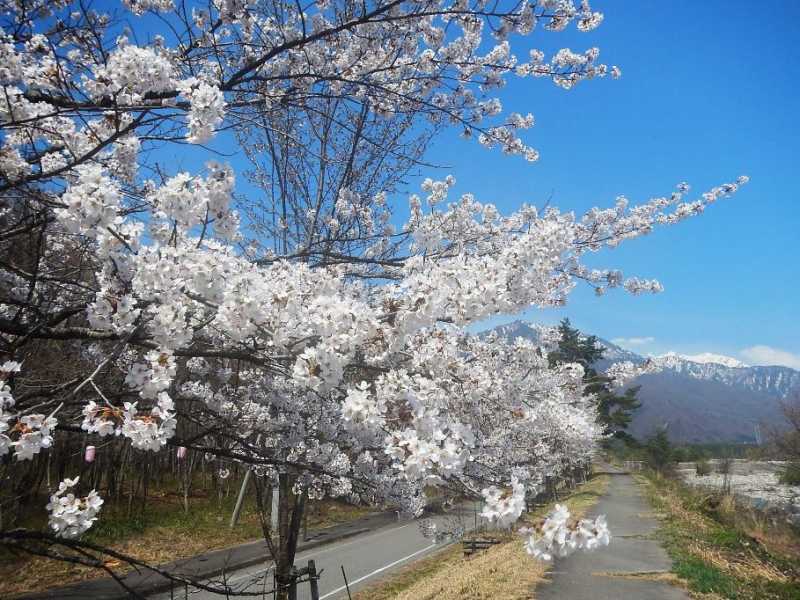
(697, 401)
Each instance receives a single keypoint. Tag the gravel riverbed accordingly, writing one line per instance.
(755, 481)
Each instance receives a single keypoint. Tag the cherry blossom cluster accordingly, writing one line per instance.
(6, 402)
(508, 269)
(49, 82)
(504, 509)
(83, 89)
(70, 516)
(31, 432)
(145, 431)
(208, 109)
(558, 537)
(150, 432)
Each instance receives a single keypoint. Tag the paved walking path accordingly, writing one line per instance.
(590, 575)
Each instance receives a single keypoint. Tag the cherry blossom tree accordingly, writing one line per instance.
(324, 349)
(323, 172)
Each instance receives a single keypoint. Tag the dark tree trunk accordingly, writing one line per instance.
(290, 519)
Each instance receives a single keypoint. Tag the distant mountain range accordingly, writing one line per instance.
(700, 398)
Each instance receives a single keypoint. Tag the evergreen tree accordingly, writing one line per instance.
(614, 411)
(660, 452)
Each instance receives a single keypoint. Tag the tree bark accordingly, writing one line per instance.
(290, 518)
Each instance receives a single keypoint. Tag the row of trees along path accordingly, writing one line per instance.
(306, 323)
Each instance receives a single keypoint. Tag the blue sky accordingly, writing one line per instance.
(709, 91)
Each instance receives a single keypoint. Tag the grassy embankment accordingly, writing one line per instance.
(503, 571)
(721, 549)
(161, 533)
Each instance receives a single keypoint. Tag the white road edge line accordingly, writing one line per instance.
(376, 571)
(333, 546)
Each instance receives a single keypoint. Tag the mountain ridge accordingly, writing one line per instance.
(710, 357)
(697, 401)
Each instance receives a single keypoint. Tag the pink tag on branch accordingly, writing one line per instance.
(88, 456)
(181, 452)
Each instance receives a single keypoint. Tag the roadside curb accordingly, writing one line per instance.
(204, 566)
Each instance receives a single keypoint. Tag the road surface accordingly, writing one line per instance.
(634, 564)
(365, 558)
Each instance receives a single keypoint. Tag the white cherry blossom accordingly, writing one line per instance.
(70, 516)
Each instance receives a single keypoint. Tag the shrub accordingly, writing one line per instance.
(790, 475)
(725, 466)
(702, 467)
(660, 452)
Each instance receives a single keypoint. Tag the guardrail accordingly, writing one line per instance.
(476, 545)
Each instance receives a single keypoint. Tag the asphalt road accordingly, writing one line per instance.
(365, 558)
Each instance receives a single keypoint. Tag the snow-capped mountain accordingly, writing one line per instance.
(709, 357)
(703, 397)
(775, 381)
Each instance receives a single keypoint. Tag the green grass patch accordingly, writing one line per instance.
(703, 577)
(726, 538)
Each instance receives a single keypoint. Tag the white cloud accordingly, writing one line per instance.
(633, 341)
(766, 355)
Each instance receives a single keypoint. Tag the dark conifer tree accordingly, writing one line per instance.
(614, 411)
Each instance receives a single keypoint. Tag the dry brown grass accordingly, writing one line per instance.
(670, 504)
(670, 578)
(740, 565)
(388, 588)
(502, 572)
(718, 544)
(780, 540)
